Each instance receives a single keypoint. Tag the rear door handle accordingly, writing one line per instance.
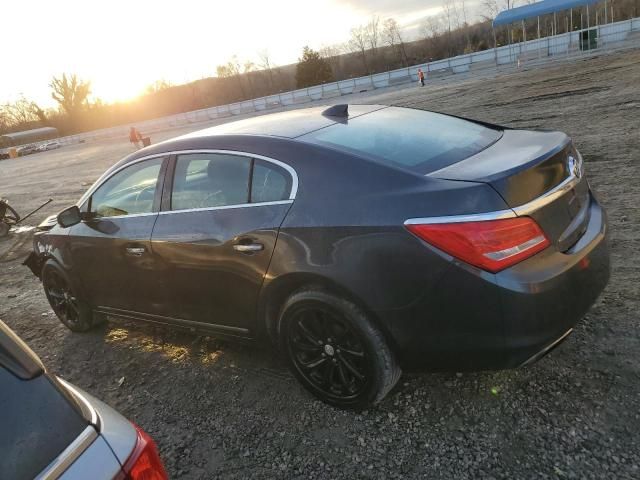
(248, 247)
(135, 251)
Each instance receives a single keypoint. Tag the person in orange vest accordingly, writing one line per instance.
(421, 77)
(135, 136)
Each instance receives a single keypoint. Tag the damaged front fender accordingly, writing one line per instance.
(34, 263)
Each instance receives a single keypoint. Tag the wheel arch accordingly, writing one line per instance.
(276, 293)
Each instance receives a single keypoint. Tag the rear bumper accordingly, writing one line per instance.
(480, 321)
(544, 297)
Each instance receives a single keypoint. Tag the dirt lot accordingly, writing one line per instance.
(223, 410)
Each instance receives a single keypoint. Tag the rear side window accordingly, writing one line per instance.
(270, 183)
(413, 139)
(205, 180)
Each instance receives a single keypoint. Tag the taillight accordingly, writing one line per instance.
(144, 462)
(492, 245)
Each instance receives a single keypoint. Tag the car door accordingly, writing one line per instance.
(215, 237)
(110, 249)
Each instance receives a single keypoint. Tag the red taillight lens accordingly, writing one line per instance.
(492, 245)
(144, 462)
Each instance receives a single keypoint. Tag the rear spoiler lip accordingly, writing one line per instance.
(493, 126)
(17, 357)
(445, 173)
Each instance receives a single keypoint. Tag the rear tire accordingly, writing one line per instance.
(74, 312)
(335, 351)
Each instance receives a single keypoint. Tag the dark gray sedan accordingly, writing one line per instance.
(361, 240)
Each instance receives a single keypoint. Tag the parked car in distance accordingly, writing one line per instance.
(360, 240)
(51, 429)
(48, 146)
(26, 150)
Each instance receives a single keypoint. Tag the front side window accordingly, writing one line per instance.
(270, 183)
(205, 180)
(130, 191)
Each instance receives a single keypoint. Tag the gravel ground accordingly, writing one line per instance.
(220, 410)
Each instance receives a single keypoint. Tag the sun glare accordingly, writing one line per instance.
(123, 47)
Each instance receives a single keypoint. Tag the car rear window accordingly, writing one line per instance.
(417, 140)
(36, 424)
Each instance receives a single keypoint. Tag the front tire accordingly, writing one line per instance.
(75, 313)
(335, 351)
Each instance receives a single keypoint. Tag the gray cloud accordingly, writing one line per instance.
(386, 8)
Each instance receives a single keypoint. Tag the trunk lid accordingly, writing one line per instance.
(538, 174)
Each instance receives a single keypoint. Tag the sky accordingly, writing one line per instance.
(124, 46)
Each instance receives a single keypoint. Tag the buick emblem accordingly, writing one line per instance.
(574, 166)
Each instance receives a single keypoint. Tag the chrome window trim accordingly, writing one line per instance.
(129, 215)
(521, 211)
(69, 455)
(288, 168)
(98, 183)
(226, 207)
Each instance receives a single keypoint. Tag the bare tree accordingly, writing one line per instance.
(158, 86)
(359, 43)
(266, 64)
(491, 8)
(448, 9)
(21, 112)
(249, 67)
(432, 27)
(465, 24)
(331, 53)
(70, 92)
(463, 10)
(373, 34)
(231, 69)
(392, 37)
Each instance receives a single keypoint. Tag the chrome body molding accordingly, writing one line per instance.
(202, 209)
(546, 349)
(522, 211)
(288, 168)
(475, 217)
(69, 455)
(225, 207)
(548, 197)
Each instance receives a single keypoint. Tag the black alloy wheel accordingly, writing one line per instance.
(328, 353)
(64, 300)
(61, 297)
(335, 351)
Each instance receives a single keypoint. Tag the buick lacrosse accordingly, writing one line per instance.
(360, 240)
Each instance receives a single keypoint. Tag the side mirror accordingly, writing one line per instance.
(69, 217)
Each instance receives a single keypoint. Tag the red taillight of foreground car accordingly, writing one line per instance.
(144, 462)
(491, 245)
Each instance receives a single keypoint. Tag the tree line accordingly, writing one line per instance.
(377, 46)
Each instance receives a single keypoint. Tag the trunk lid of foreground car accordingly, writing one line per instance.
(538, 174)
(37, 420)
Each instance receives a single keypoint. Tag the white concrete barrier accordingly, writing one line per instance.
(609, 36)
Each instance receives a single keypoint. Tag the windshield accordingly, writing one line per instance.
(413, 139)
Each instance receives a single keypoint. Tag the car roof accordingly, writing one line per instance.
(288, 124)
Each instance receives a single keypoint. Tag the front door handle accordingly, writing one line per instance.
(248, 247)
(135, 251)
